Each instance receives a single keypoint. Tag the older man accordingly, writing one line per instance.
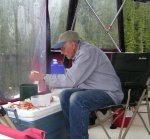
(93, 78)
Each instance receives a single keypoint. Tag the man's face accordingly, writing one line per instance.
(69, 49)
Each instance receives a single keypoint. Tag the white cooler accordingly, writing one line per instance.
(50, 119)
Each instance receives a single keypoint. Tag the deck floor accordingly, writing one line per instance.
(135, 132)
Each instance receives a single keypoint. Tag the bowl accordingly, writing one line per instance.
(41, 100)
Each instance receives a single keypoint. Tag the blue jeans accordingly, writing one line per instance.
(77, 104)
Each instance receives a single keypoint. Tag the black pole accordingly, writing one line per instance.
(120, 27)
(48, 39)
(71, 13)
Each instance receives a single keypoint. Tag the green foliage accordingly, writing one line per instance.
(17, 42)
(90, 28)
(136, 26)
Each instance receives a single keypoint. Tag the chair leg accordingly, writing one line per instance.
(101, 123)
(144, 123)
(148, 111)
(133, 117)
(5, 120)
(123, 121)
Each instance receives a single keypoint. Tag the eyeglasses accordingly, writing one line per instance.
(63, 48)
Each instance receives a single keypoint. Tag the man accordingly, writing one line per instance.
(93, 78)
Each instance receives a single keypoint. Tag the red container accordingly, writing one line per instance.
(118, 122)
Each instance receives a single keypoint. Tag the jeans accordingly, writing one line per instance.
(77, 104)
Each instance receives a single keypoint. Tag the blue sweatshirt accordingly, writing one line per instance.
(91, 69)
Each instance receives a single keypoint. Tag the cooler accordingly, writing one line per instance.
(118, 122)
(57, 68)
(50, 119)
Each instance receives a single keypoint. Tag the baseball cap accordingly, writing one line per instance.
(65, 37)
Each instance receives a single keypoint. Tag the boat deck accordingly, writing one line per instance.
(137, 130)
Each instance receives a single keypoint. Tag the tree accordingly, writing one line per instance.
(136, 26)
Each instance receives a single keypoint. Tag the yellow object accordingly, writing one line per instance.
(10, 88)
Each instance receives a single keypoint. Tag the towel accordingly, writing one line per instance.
(30, 133)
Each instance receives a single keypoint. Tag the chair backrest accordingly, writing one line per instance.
(133, 68)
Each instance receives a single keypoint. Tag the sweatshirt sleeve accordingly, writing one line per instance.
(82, 68)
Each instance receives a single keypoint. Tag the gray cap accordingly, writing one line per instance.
(67, 36)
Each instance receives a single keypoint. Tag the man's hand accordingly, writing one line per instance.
(34, 76)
